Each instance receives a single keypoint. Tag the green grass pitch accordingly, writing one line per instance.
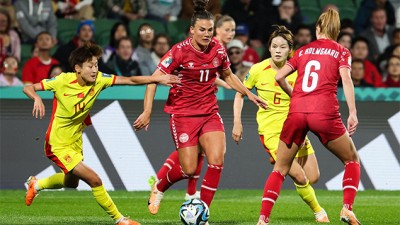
(239, 207)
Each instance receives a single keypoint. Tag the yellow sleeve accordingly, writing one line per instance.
(251, 77)
(106, 80)
(52, 83)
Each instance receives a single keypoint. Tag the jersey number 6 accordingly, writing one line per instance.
(313, 75)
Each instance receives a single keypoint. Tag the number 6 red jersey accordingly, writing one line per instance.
(317, 65)
(198, 71)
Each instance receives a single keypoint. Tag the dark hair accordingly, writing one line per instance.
(395, 31)
(123, 39)
(342, 34)
(161, 35)
(302, 27)
(53, 67)
(282, 31)
(346, 23)
(357, 61)
(113, 42)
(359, 39)
(84, 54)
(391, 57)
(40, 34)
(5, 12)
(200, 12)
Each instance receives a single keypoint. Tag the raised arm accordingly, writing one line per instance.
(38, 106)
(281, 79)
(233, 81)
(348, 89)
(136, 80)
(237, 130)
(143, 120)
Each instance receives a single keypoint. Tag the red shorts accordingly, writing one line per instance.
(325, 127)
(186, 130)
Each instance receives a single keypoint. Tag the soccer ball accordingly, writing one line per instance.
(194, 212)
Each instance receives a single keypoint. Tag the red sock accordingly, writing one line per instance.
(210, 183)
(351, 179)
(192, 181)
(172, 160)
(174, 175)
(272, 189)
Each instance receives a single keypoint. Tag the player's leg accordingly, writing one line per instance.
(214, 146)
(191, 192)
(89, 176)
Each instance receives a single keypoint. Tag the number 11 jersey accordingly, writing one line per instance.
(318, 65)
(198, 71)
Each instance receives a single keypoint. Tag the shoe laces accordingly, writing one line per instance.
(321, 214)
(158, 198)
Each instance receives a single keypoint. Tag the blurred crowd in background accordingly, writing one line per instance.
(37, 36)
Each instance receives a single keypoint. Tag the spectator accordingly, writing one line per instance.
(364, 12)
(8, 73)
(393, 68)
(302, 36)
(378, 35)
(35, 17)
(235, 53)
(121, 62)
(357, 74)
(213, 6)
(75, 9)
(345, 39)
(164, 10)
(118, 31)
(85, 33)
(8, 6)
(55, 70)
(225, 28)
(397, 18)
(250, 56)
(10, 44)
(161, 46)
(347, 25)
(254, 13)
(127, 10)
(287, 14)
(359, 50)
(37, 68)
(382, 59)
(145, 37)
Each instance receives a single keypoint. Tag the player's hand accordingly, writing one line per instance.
(237, 132)
(142, 121)
(257, 100)
(168, 80)
(38, 109)
(352, 123)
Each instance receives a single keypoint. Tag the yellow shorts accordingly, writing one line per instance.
(65, 157)
(271, 142)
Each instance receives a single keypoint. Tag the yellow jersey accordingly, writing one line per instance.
(71, 105)
(262, 77)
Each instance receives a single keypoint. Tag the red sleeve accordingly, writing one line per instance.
(345, 59)
(225, 61)
(27, 72)
(170, 61)
(292, 62)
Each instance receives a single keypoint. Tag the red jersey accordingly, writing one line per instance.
(198, 71)
(317, 64)
(35, 71)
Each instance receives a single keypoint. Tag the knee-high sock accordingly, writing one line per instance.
(307, 193)
(192, 181)
(55, 181)
(272, 189)
(105, 201)
(210, 183)
(351, 179)
(174, 175)
(172, 160)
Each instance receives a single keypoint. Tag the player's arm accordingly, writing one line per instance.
(233, 81)
(281, 79)
(348, 89)
(38, 106)
(222, 83)
(135, 80)
(237, 130)
(143, 120)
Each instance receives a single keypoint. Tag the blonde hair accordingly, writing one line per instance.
(329, 24)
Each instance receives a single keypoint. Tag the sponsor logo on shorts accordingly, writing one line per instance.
(183, 137)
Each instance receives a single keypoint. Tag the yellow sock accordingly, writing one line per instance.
(307, 193)
(55, 181)
(105, 201)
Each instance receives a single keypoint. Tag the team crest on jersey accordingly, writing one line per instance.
(183, 137)
(91, 92)
(106, 75)
(215, 62)
(247, 76)
(167, 61)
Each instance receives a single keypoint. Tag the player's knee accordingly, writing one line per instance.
(189, 171)
(72, 184)
(95, 181)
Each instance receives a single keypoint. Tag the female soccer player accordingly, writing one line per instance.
(225, 29)
(314, 107)
(74, 95)
(193, 105)
(304, 170)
